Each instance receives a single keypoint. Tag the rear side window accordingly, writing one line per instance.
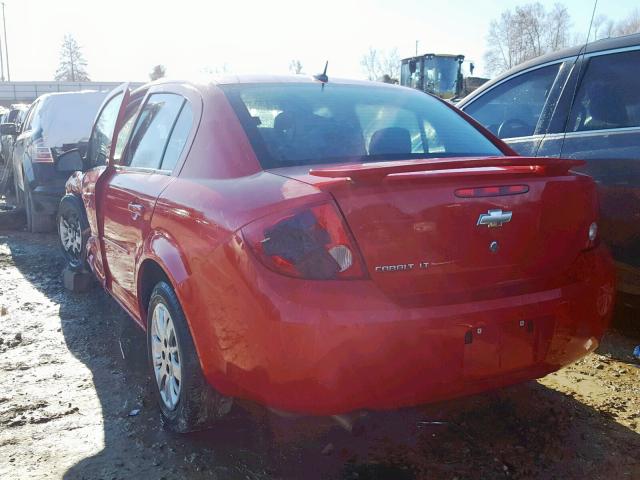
(178, 138)
(31, 115)
(608, 96)
(304, 124)
(512, 109)
(152, 130)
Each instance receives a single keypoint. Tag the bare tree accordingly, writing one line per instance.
(370, 63)
(524, 33)
(295, 67)
(381, 65)
(390, 63)
(558, 28)
(603, 27)
(72, 63)
(628, 25)
(159, 71)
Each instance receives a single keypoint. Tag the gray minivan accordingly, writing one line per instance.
(580, 103)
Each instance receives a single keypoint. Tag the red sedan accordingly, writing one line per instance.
(328, 246)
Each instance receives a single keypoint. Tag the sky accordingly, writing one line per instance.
(123, 39)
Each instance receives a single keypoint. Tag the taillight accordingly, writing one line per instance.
(310, 243)
(40, 153)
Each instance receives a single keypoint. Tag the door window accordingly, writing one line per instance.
(152, 130)
(127, 126)
(608, 96)
(513, 108)
(100, 141)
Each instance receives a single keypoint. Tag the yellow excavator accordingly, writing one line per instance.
(438, 74)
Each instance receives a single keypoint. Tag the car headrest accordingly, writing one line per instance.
(390, 140)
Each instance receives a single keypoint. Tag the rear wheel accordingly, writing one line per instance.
(73, 229)
(187, 401)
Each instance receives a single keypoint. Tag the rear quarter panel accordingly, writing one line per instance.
(220, 188)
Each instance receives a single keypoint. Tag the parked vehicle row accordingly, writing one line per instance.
(324, 246)
(34, 139)
(581, 104)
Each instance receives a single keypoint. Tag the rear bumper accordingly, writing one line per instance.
(334, 347)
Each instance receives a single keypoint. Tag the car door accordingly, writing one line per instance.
(132, 189)
(603, 128)
(99, 153)
(516, 109)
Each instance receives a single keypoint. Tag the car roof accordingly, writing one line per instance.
(596, 46)
(205, 82)
(61, 96)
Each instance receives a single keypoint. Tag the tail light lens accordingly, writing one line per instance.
(39, 153)
(311, 243)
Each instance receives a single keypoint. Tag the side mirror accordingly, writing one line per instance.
(70, 161)
(8, 129)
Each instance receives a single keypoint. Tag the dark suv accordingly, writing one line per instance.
(582, 104)
(54, 124)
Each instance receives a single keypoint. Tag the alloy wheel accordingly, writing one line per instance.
(166, 356)
(71, 234)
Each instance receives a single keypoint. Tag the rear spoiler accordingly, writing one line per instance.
(378, 171)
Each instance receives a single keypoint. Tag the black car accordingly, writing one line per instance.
(54, 124)
(580, 103)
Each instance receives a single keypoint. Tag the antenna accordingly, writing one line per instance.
(578, 79)
(322, 77)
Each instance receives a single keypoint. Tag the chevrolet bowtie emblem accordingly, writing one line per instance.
(494, 218)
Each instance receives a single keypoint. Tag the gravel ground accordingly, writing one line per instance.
(76, 402)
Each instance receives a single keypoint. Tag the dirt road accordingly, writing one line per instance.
(75, 402)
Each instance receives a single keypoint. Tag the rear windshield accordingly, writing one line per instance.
(304, 124)
(64, 119)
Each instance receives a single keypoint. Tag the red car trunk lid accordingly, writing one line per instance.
(423, 243)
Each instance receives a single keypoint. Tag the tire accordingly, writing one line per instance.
(36, 222)
(73, 232)
(17, 193)
(190, 403)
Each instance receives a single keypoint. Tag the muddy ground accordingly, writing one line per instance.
(75, 402)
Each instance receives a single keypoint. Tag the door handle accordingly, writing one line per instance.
(135, 209)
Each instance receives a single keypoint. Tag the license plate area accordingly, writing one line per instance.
(492, 348)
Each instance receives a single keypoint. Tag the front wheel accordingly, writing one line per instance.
(187, 401)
